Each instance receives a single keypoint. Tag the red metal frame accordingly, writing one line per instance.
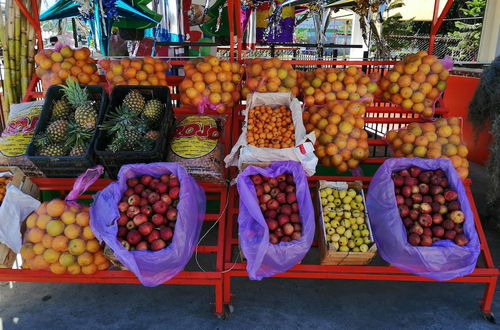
(437, 21)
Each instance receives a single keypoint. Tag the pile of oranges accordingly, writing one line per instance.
(341, 140)
(321, 85)
(4, 181)
(439, 139)
(54, 67)
(269, 76)
(58, 238)
(211, 83)
(415, 83)
(145, 71)
(270, 128)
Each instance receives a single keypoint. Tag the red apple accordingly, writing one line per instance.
(129, 192)
(448, 224)
(123, 206)
(286, 209)
(134, 200)
(130, 225)
(153, 184)
(166, 233)
(415, 171)
(400, 200)
(296, 235)
(166, 198)
(288, 229)
(414, 214)
(427, 231)
(143, 245)
(438, 231)
(263, 207)
(406, 191)
(256, 179)
(122, 231)
(122, 220)
(145, 228)
(147, 210)
(410, 181)
(461, 240)
(437, 219)
(290, 189)
(425, 220)
(271, 214)
(281, 198)
(164, 178)
(161, 188)
(454, 206)
(450, 195)
(425, 208)
(295, 208)
(133, 211)
(457, 216)
(172, 214)
(427, 199)
(143, 202)
(134, 237)
(297, 227)
(158, 244)
(404, 173)
(289, 179)
(403, 210)
(417, 229)
(425, 240)
(291, 198)
(281, 177)
(160, 207)
(450, 234)
(158, 220)
(444, 182)
(146, 180)
(272, 224)
(140, 219)
(423, 188)
(174, 181)
(409, 202)
(273, 182)
(294, 218)
(138, 189)
(273, 204)
(174, 192)
(398, 180)
(282, 219)
(153, 197)
(436, 190)
(154, 235)
(407, 222)
(259, 190)
(417, 198)
(274, 192)
(282, 185)
(273, 239)
(125, 244)
(278, 232)
(286, 239)
(414, 239)
(132, 182)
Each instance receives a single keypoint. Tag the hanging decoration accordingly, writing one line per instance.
(218, 22)
(171, 27)
(275, 22)
(369, 12)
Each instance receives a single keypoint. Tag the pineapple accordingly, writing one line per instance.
(61, 109)
(85, 113)
(131, 139)
(152, 135)
(78, 139)
(57, 130)
(78, 150)
(134, 101)
(152, 111)
(121, 118)
(53, 149)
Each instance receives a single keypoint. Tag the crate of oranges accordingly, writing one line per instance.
(146, 71)
(273, 131)
(15, 177)
(55, 66)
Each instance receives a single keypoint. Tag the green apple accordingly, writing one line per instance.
(330, 198)
(334, 223)
(354, 205)
(358, 241)
(323, 193)
(356, 233)
(367, 240)
(347, 199)
(336, 245)
(347, 214)
(337, 202)
(359, 198)
(352, 221)
(362, 226)
(365, 233)
(328, 191)
(332, 214)
(363, 247)
(347, 207)
(360, 220)
(327, 237)
(342, 193)
(343, 240)
(340, 230)
(345, 223)
(361, 207)
(351, 193)
(328, 225)
(335, 237)
(356, 249)
(339, 211)
(331, 205)
(354, 226)
(348, 233)
(326, 218)
(356, 213)
(324, 201)
(330, 231)
(351, 244)
(344, 248)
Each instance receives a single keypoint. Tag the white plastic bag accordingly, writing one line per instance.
(303, 151)
(15, 207)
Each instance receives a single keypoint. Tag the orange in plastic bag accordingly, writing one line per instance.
(439, 139)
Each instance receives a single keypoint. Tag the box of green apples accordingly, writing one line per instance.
(345, 236)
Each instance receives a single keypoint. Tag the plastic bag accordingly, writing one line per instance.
(341, 140)
(442, 261)
(16, 206)
(17, 135)
(196, 145)
(58, 236)
(269, 76)
(439, 139)
(55, 66)
(146, 71)
(243, 152)
(211, 84)
(417, 82)
(263, 258)
(322, 85)
(152, 268)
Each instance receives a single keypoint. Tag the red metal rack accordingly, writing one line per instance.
(383, 114)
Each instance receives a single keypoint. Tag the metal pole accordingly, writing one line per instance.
(75, 34)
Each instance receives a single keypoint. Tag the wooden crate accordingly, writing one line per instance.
(328, 254)
(24, 183)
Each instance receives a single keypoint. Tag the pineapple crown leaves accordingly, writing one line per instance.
(40, 140)
(123, 118)
(77, 135)
(75, 94)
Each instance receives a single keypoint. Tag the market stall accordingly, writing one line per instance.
(294, 136)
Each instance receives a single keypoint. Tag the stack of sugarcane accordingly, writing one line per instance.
(17, 37)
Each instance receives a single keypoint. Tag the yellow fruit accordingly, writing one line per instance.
(87, 233)
(420, 151)
(51, 255)
(56, 57)
(444, 131)
(38, 248)
(57, 268)
(93, 246)
(42, 221)
(68, 217)
(82, 219)
(55, 227)
(345, 127)
(47, 241)
(90, 269)
(76, 246)
(35, 235)
(449, 149)
(85, 259)
(66, 259)
(31, 220)
(60, 243)
(72, 231)
(27, 251)
(74, 269)
(103, 266)
(462, 150)
(55, 208)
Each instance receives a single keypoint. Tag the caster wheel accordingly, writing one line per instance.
(489, 317)
(229, 308)
(224, 316)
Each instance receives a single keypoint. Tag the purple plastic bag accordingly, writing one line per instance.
(442, 261)
(263, 258)
(151, 268)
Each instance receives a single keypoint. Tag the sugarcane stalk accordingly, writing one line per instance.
(17, 49)
(31, 45)
(11, 48)
(6, 99)
(24, 57)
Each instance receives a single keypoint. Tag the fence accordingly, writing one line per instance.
(403, 45)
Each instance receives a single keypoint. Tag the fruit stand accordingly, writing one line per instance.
(223, 201)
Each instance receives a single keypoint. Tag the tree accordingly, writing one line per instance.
(469, 34)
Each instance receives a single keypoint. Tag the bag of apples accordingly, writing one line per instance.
(279, 236)
(421, 218)
(439, 139)
(211, 84)
(58, 236)
(269, 75)
(151, 218)
(417, 82)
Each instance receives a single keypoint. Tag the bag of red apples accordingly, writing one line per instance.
(151, 218)
(278, 237)
(421, 219)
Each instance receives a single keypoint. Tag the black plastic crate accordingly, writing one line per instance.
(67, 166)
(112, 161)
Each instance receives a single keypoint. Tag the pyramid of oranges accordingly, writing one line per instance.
(58, 238)
(54, 67)
(415, 83)
(341, 140)
(321, 85)
(439, 139)
(269, 76)
(145, 71)
(211, 83)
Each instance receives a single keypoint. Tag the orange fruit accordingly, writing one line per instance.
(99, 258)
(141, 75)
(88, 69)
(84, 78)
(85, 259)
(158, 67)
(27, 251)
(103, 266)
(35, 235)
(31, 220)
(93, 246)
(153, 80)
(148, 68)
(82, 219)
(42, 221)
(47, 241)
(76, 70)
(136, 64)
(38, 263)
(90, 269)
